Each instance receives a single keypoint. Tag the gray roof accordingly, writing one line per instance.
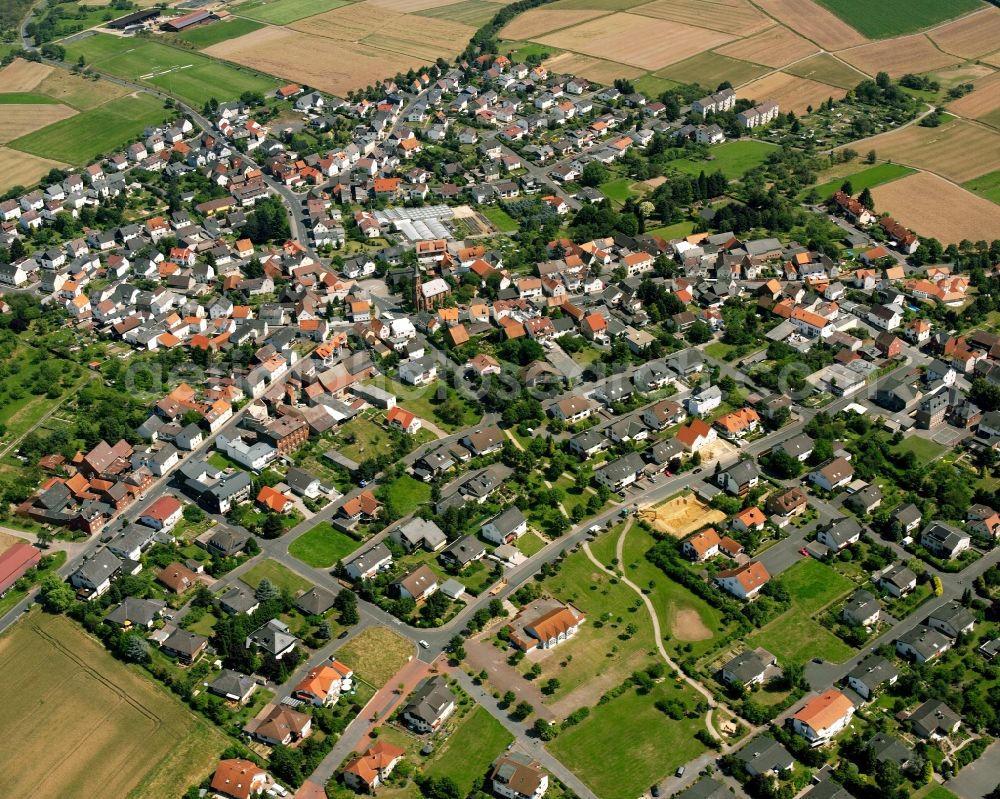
(925, 641)
(899, 575)
(934, 715)
(906, 514)
(796, 446)
(99, 568)
(138, 611)
(828, 789)
(429, 700)
(421, 532)
(273, 637)
(747, 665)
(238, 600)
(861, 605)
(231, 683)
(873, 671)
(705, 788)
(742, 472)
(843, 530)
(765, 754)
(228, 540)
(464, 550)
(508, 521)
(183, 642)
(366, 559)
(955, 614)
(624, 467)
(299, 479)
(885, 747)
(316, 601)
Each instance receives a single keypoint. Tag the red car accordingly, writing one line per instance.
(804, 552)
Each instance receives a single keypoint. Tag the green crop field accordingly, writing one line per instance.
(987, 186)
(467, 12)
(732, 159)
(202, 36)
(893, 17)
(74, 715)
(192, 77)
(322, 546)
(824, 68)
(711, 69)
(281, 12)
(499, 218)
(652, 85)
(865, 179)
(647, 744)
(103, 129)
(24, 98)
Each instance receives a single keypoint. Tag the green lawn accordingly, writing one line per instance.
(25, 98)
(204, 626)
(322, 546)
(604, 546)
(987, 186)
(711, 69)
(865, 179)
(405, 493)
(618, 190)
(652, 85)
(924, 449)
(202, 36)
(672, 602)
(499, 218)
(795, 636)
(279, 576)
(893, 17)
(192, 77)
(425, 401)
(101, 130)
(626, 745)
(470, 749)
(529, 544)
(518, 52)
(814, 585)
(674, 231)
(719, 349)
(281, 12)
(13, 595)
(733, 159)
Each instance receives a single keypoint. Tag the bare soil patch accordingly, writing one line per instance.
(595, 69)
(775, 47)
(898, 56)
(971, 36)
(78, 92)
(19, 120)
(23, 76)
(681, 516)
(738, 17)
(958, 150)
(790, 92)
(539, 21)
(983, 100)
(7, 541)
(814, 22)
(932, 206)
(329, 65)
(639, 41)
(348, 23)
(686, 625)
(23, 169)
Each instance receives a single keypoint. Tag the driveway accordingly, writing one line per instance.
(481, 655)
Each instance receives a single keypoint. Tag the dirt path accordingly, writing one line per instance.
(657, 633)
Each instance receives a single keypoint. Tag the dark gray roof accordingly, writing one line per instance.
(231, 683)
(705, 788)
(138, 611)
(765, 754)
(316, 601)
(885, 747)
(429, 700)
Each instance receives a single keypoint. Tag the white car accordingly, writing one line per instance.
(424, 644)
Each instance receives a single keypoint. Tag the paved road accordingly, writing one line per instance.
(978, 779)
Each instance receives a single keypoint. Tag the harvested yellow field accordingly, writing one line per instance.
(639, 41)
(813, 22)
(329, 65)
(595, 69)
(409, 6)
(993, 59)
(898, 56)
(958, 150)
(539, 21)
(775, 47)
(77, 722)
(23, 76)
(427, 38)
(729, 16)
(934, 207)
(826, 68)
(18, 120)
(791, 93)
(971, 36)
(23, 169)
(350, 23)
(78, 92)
(981, 101)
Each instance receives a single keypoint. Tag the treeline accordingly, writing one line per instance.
(485, 40)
